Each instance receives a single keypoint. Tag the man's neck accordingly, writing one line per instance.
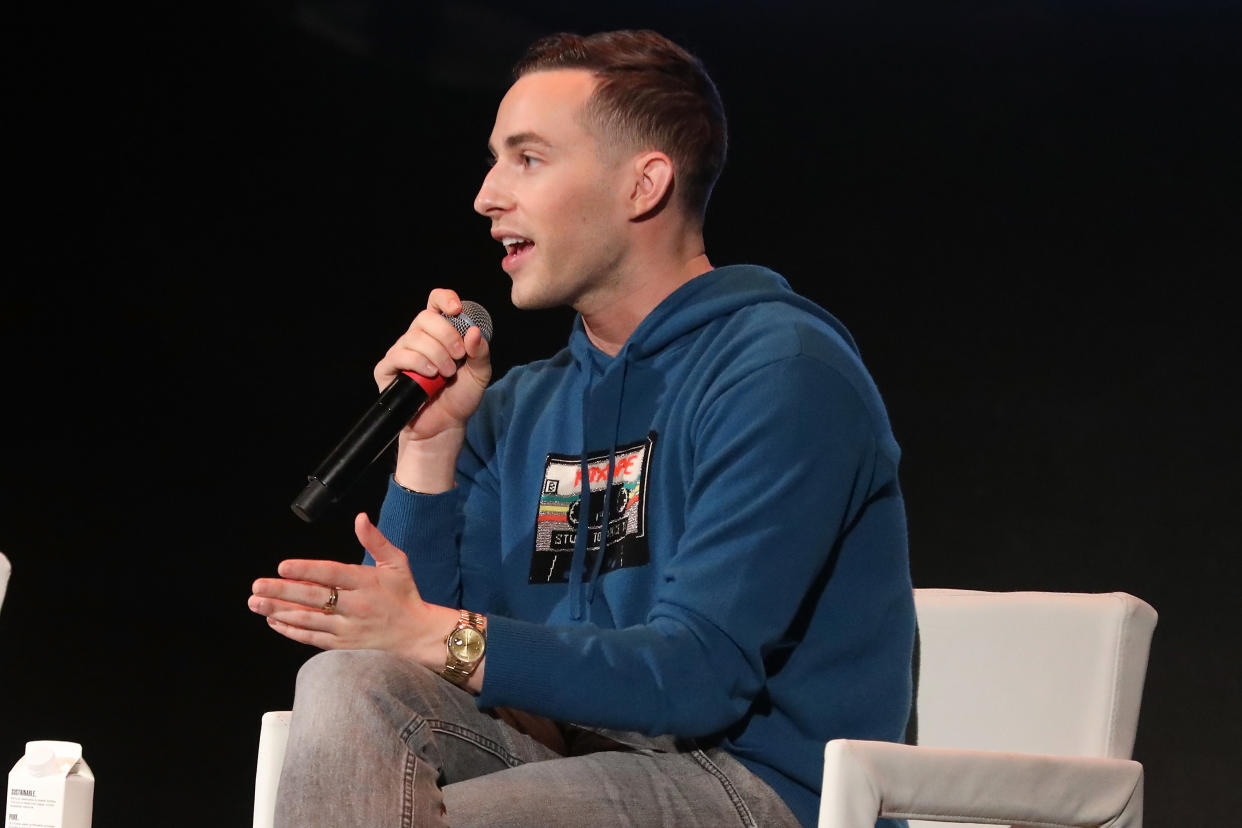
(612, 318)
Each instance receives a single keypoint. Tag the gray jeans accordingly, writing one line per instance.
(377, 740)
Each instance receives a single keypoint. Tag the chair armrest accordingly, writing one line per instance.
(866, 780)
(273, 735)
(5, 569)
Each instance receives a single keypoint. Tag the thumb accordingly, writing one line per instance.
(372, 540)
(478, 354)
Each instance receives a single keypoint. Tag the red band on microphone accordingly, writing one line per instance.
(431, 385)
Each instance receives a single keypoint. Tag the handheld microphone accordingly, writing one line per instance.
(379, 426)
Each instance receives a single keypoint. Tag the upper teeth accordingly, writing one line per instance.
(512, 241)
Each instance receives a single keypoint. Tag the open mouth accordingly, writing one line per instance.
(516, 247)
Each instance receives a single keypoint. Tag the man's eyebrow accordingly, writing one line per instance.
(520, 139)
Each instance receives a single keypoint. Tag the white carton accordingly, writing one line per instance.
(50, 787)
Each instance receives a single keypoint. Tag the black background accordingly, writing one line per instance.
(220, 216)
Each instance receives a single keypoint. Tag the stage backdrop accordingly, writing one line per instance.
(220, 218)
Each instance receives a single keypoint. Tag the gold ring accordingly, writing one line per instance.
(329, 606)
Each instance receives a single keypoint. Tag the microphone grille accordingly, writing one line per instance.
(472, 314)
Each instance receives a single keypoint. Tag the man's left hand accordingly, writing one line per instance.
(376, 608)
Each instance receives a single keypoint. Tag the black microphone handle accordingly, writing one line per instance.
(366, 441)
(379, 426)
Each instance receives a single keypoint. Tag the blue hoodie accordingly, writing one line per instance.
(754, 588)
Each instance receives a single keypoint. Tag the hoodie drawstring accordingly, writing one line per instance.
(578, 562)
(579, 581)
(606, 516)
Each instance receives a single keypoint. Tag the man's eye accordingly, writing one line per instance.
(529, 160)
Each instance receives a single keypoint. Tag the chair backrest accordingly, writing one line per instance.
(1032, 672)
(5, 569)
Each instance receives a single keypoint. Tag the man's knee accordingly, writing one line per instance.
(357, 675)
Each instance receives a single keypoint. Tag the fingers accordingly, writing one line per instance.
(443, 300)
(430, 347)
(295, 615)
(270, 591)
(324, 573)
(292, 609)
(296, 610)
(315, 638)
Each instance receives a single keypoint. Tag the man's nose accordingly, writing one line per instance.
(492, 195)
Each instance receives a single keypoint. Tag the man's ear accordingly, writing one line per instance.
(653, 184)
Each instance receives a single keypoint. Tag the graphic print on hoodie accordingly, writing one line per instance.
(560, 515)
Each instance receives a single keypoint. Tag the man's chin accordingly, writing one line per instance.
(529, 300)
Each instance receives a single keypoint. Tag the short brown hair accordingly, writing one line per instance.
(652, 94)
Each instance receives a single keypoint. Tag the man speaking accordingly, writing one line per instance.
(641, 582)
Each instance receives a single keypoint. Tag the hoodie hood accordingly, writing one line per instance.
(701, 301)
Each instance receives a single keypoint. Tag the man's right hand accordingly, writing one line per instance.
(428, 446)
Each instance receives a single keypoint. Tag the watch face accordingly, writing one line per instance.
(466, 644)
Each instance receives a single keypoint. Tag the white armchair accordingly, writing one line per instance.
(1027, 709)
(273, 736)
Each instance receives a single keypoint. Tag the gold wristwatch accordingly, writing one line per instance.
(466, 645)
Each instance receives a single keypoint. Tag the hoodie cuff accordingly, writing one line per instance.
(519, 654)
(420, 525)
